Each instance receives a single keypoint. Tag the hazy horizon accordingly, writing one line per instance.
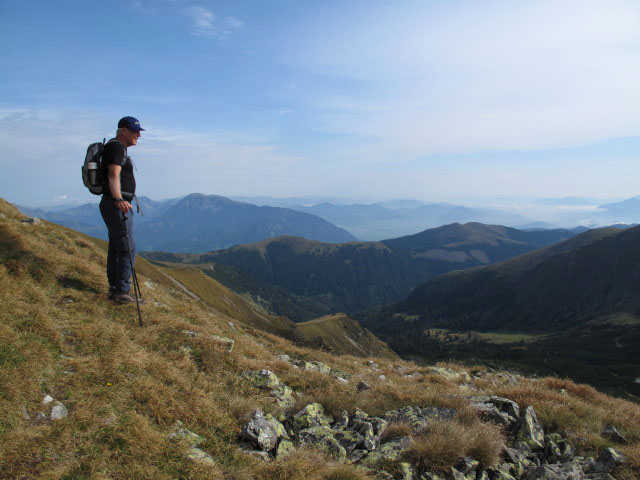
(438, 101)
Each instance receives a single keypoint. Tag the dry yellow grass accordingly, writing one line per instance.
(125, 386)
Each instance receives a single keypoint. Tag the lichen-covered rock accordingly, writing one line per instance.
(612, 433)
(262, 432)
(178, 432)
(558, 449)
(349, 439)
(498, 474)
(200, 456)
(499, 410)
(285, 447)
(323, 438)
(608, 460)
(418, 417)
(388, 451)
(264, 379)
(312, 415)
(530, 430)
(222, 344)
(342, 421)
(468, 466)
(365, 429)
(268, 380)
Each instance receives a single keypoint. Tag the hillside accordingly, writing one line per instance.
(207, 222)
(305, 279)
(342, 335)
(577, 298)
(87, 393)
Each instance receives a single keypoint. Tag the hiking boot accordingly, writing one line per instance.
(123, 298)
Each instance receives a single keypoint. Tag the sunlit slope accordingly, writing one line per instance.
(123, 387)
(224, 300)
(343, 335)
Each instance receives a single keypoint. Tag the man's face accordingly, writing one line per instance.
(130, 137)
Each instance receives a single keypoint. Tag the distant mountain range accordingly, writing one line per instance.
(577, 301)
(200, 222)
(305, 279)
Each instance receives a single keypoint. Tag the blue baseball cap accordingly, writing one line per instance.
(130, 123)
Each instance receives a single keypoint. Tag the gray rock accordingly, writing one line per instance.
(388, 451)
(31, 220)
(178, 432)
(47, 399)
(263, 432)
(284, 358)
(59, 411)
(608, 460)
(24, 413)
(312, 415)
(357, 455)
(530, 430)
(558, 471)
(342, 422)
(612, 433)
(268, 380)
(362, 386)
(200, 456)
(558, 449)
(349, 439)
(496, 409)
(322, 437)
(418, 417)
(467, 465)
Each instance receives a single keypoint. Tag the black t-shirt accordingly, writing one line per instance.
(116, 152)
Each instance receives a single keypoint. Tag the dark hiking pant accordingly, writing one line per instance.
(119, 259)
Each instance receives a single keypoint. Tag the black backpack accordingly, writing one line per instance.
(92, 175)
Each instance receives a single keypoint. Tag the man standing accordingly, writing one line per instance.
(116, 209)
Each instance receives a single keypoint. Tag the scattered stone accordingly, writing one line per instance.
(501, 411)
(382, 378)
(608, 460)
(263, 432)
(558, 449)
(178, 432)
(222, 344)
(268, 380)
(467, 466)
(284, 358)
(401, 369)
(388, 451)
(373, 364)
(40, 418)
(200, 456)
(342, 380)
(31, 220)
(150, 284)
(418, 417)
(362, 386)
(612, 433)
(47, 399)
(349, 439)
(323, 437)
(258, 454)
(59, 411)
(312, 415)
(25, 414)
(530, 430)
(2, 216)
(342, 422)
(191, 333)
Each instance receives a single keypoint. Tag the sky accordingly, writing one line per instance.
(459, 101)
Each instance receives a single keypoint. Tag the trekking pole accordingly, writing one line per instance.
(136, 287)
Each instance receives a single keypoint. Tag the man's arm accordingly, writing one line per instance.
(113, 176)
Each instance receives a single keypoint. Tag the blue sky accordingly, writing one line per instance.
(438, 101)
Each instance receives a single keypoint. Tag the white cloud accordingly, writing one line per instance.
(489, 75)
(205, 24)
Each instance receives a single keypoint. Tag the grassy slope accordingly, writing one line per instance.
(124, 386)
(344, 335)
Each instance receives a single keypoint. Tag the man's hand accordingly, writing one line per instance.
(123, 206)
